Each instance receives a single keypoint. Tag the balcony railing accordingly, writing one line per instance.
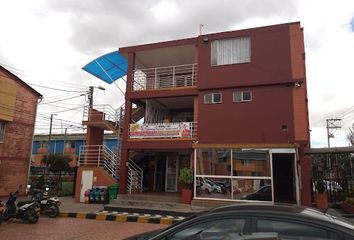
(163, 130)
(165, 77)
(100, 113)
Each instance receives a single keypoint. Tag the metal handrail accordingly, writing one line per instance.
(100, 156)
(135, 181)
(165, 77)
(100, 112)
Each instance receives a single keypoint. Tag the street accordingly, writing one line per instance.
(72, 228)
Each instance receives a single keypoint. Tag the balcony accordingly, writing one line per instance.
(176, 130)
(165, 77)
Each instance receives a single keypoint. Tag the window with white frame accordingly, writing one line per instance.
(2, 131)
(242, 96)
(212, 98)
(231, 51)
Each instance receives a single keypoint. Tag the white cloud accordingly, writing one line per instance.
(51, 40)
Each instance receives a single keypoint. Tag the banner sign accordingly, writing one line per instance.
(161, 130)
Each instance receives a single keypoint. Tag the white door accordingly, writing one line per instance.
(171, 174)
(86, 183)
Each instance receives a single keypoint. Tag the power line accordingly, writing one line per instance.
(57, 89)
(62, 99)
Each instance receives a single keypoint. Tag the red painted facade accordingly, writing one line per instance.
(15, 149)
(276, 115)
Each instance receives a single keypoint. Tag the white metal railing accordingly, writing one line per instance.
(101, 112)
(163, 130)
(100, 156)
(134, 177)
(165, 77)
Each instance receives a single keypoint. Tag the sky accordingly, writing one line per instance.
(47, 42)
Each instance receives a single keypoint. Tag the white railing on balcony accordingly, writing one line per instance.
(134, 177)
(100, 156)
(100, 112)
(163, 130)
(165, 77)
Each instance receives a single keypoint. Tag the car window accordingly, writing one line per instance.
(294, 230)
(216, 229)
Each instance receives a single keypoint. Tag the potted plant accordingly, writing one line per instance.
(186, 178)
(348, 205)
(321, 196)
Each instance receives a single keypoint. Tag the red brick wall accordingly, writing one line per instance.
(15, 151)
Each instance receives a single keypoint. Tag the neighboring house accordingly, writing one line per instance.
(18, 108)
(64, 143)
(231, 105)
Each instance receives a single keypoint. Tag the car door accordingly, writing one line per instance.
(220, 227)
(295, 229)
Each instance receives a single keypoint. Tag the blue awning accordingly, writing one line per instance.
(108, 67)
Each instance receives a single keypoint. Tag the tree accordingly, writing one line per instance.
(350, 135)
(57, 163)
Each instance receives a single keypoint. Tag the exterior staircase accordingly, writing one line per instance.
(110, 119)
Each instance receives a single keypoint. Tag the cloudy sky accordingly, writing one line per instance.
(47, 42)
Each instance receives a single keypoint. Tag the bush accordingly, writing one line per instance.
(320, 185)
(349, 200)
(186, 176)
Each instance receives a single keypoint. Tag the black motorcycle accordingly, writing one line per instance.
(27, 211)
(48, 205)
(2, 208)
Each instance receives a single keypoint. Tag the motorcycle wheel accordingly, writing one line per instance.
(5, 216)
(52, 211)
(31, 216)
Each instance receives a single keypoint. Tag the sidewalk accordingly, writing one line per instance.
(70, 208)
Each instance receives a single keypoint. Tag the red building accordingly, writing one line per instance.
(231, 105)
(18, 109)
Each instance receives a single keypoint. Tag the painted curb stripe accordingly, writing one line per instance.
(122, 218)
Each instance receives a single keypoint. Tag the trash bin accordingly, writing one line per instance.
(97, 195)
(87, 196)
(112, 191)
(103, 195)
(92, 195)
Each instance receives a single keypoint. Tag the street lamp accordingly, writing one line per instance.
(90, 94)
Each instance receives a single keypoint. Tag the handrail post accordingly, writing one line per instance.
(155, 84)
(173, 76)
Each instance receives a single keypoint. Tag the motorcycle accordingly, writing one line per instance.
(48, 205)
(2, 208)
(27, 211)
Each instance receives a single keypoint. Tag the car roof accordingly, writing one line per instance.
(285, 210)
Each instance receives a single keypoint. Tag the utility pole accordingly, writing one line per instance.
(332, 125)
(50, 132)
(90, 96)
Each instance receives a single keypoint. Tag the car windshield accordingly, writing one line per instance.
(328, 217)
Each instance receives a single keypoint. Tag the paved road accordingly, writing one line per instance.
(72, 228)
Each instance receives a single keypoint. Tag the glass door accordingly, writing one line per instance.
(171, 174)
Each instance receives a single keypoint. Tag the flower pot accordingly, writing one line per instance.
(322, 201)
(186, 196)
(347, 208)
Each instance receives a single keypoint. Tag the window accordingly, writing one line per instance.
(231, 51)
(242, 96)
(2, 131)
(216, 229)
(211, 98)
(294, 230)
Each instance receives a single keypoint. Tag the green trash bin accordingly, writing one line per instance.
(112, 191)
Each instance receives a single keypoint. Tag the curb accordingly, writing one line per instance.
(121, 217)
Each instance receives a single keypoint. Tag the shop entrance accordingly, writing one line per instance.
(284, 178)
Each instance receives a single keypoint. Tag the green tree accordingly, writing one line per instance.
(57, 163)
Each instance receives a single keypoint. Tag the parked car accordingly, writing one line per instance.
(203, 186)
(262, 194)
(255, 220)
(215, 187)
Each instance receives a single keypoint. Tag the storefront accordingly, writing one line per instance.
(237, 174)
